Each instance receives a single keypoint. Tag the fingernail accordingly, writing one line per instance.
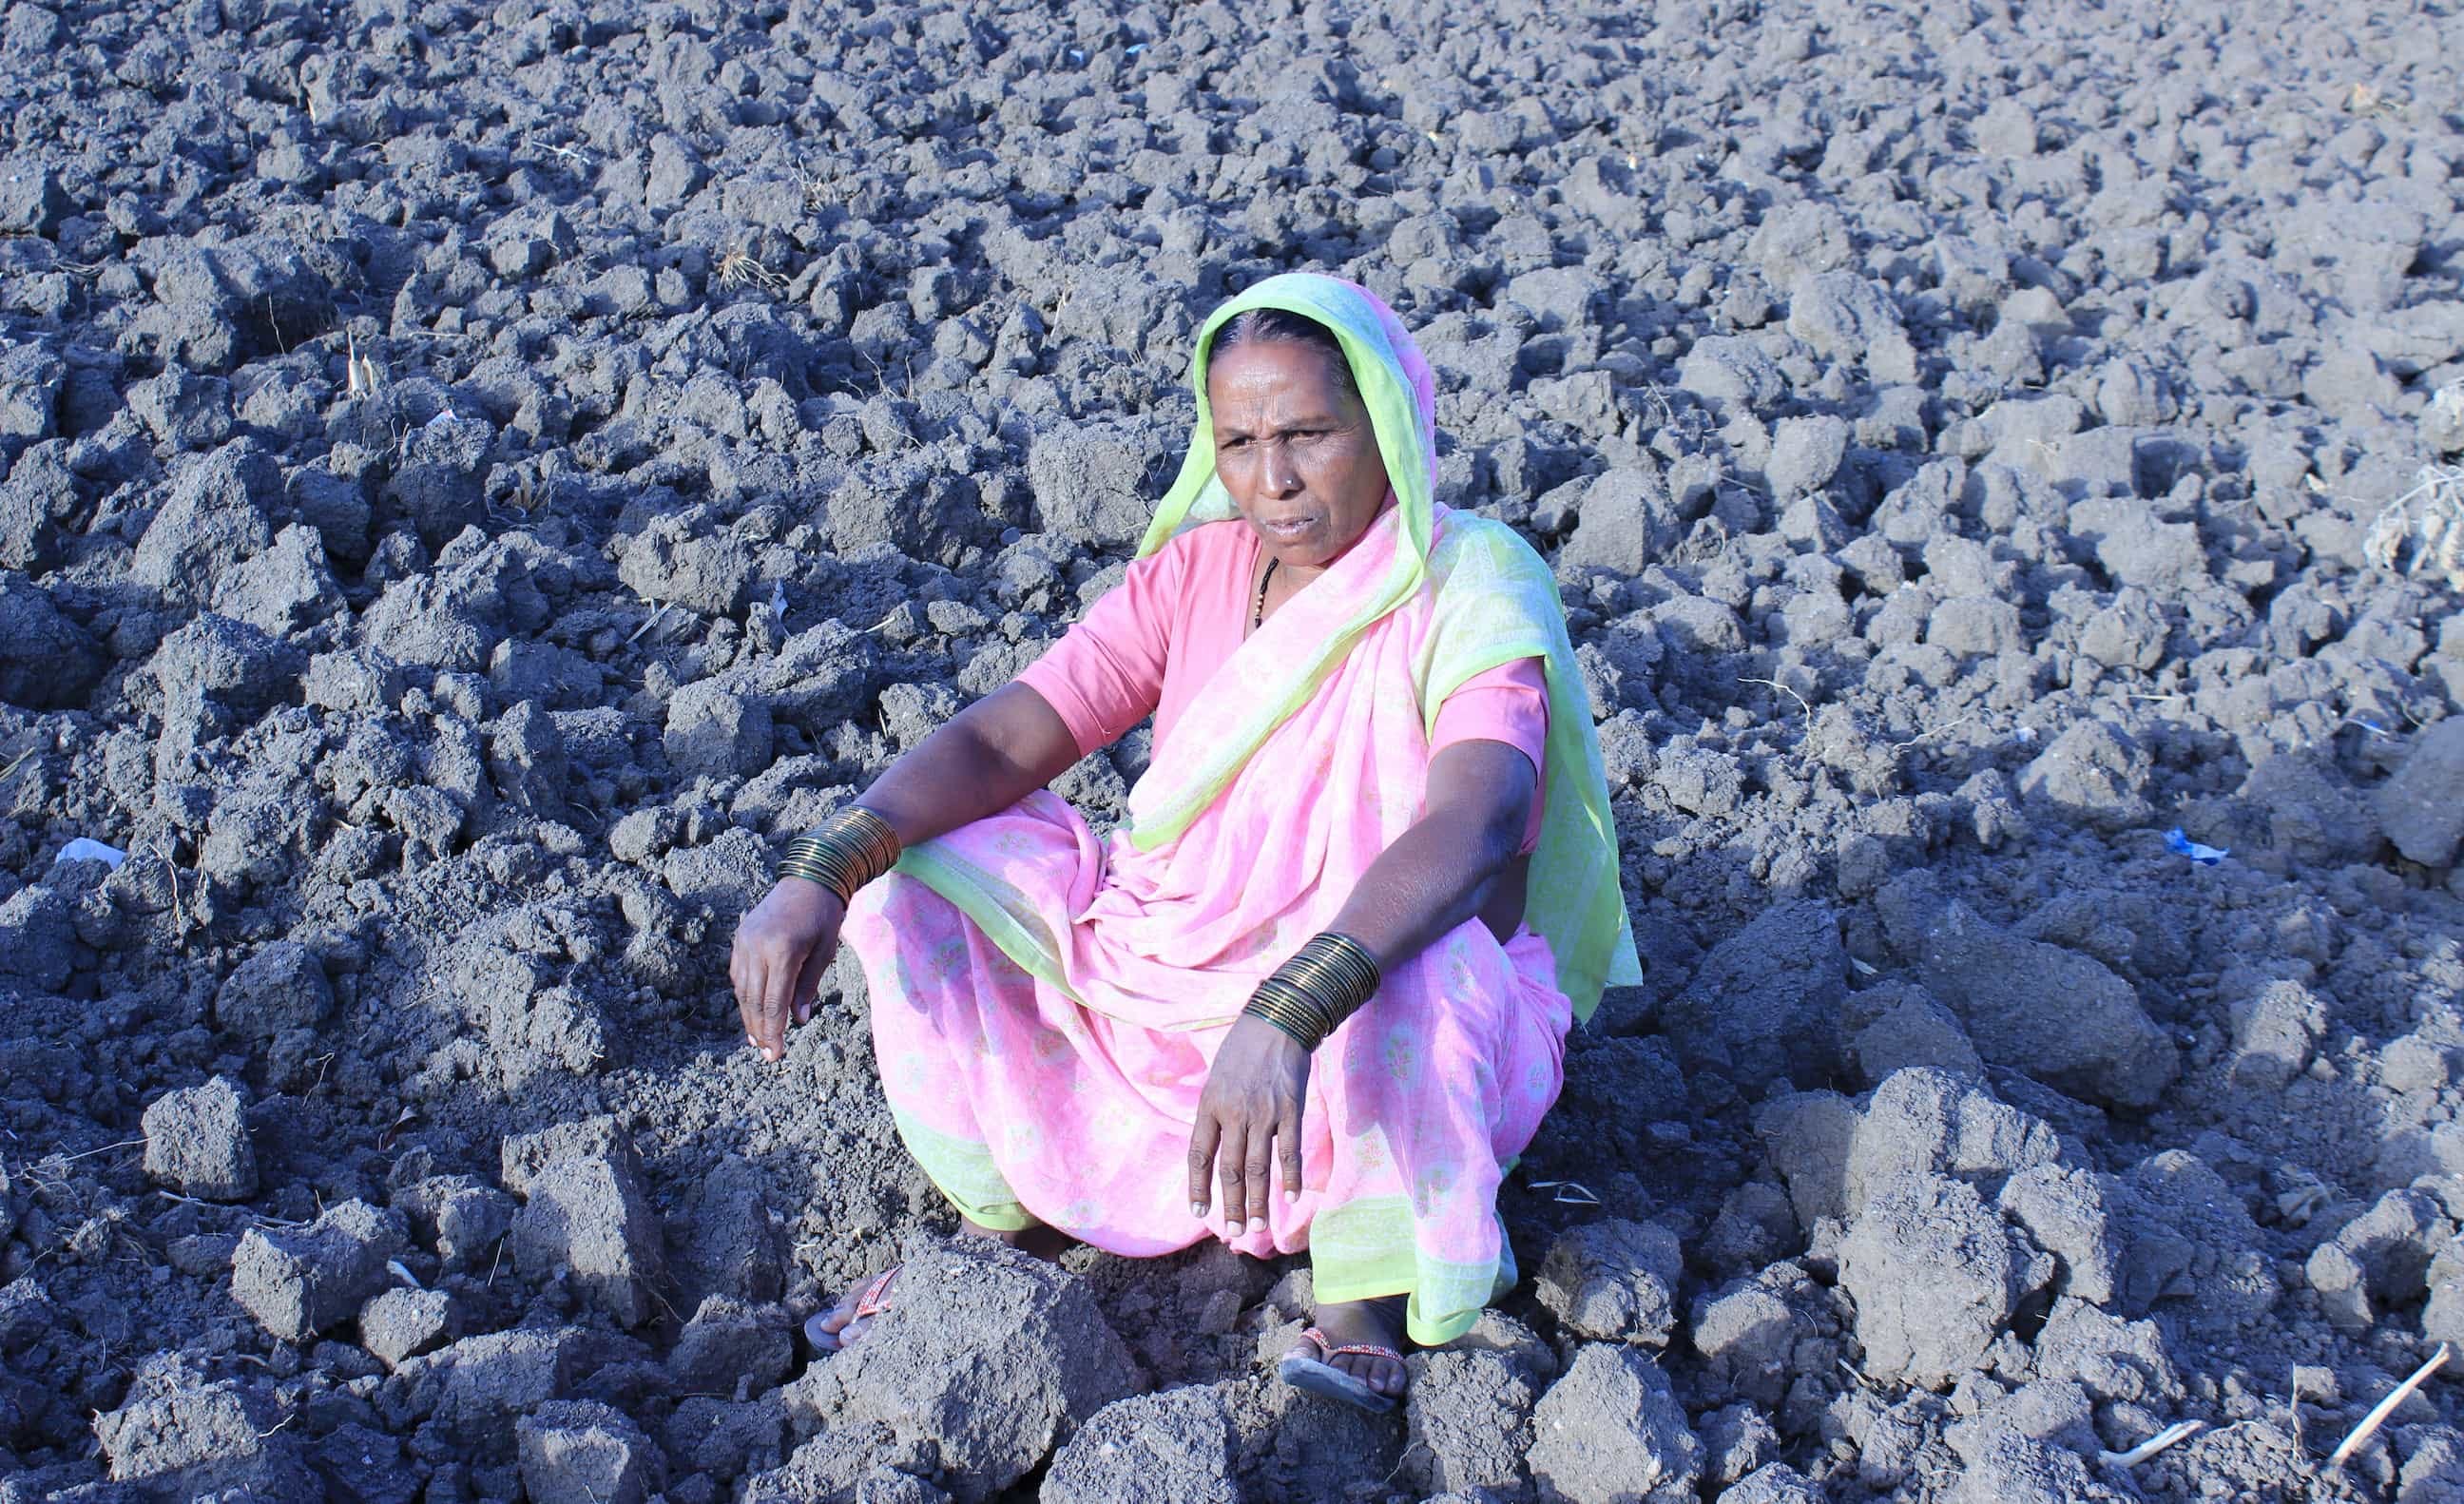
(1198, 1208)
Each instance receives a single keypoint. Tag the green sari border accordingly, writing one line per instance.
(965, 1176)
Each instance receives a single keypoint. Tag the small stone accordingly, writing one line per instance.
(279, 988)
(1615, 1281)
(1776, 1483)
(2379, 1260)
(589, 1216)
(1092, 482)
(2050, 1011)
(712, 731)
(197, 1143)
(1765, 1004)
(1849, 318)
(1731, 371)
(2413, 1064)
(1470, 1423)
(1611, 1432)
(184, 410)
(1806, 452)
(405, 1323)
(575, 1451)
(213, 518)
(457, 1216)
(177, 1436)
(30, 200)
(2063, 1211)
(298, 1281)
(726, 1439)
(1626, 520)
(2007, 129)
(1927, 1120)
(47, 661)
(1974, 626)
(963, 1311)
(1935, 1277)
(474, 1388)
(1737, 1441)
(364, 1466)
(1756, 1226)
(2422, 806)
(2094, 772)
(1175, 1446)
(203, 1255)
(1746, 1333)
(729, 1344)
(733, 1243)
(1915, 1030)
(1700, 781)
(520, 256)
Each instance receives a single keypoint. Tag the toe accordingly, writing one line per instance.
(1390, 1377)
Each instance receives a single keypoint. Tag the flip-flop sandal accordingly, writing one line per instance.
(1318, 1376)
(873, 1303)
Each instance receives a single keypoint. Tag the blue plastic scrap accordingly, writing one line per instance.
(2183, 846)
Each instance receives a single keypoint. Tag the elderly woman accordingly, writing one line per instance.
(1315, 994)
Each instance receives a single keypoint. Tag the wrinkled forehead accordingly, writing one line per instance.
(1280, 380)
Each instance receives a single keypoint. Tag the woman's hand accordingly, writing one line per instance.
(782, 949)
(1249, 1123)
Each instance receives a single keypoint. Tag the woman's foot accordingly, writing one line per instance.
(1367, 1323)
(1354, 1353)
(843, 1323)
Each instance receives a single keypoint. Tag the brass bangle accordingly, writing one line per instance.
(1300, 1014)
(1324, 982)
(1300, 1032)
(851, 848)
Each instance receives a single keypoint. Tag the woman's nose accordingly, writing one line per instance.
(1281, 474)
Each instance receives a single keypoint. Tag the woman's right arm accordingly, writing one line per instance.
(983, 760)
(988, 758)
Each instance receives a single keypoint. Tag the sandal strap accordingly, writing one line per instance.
(876, 1300)
(1360, 1349)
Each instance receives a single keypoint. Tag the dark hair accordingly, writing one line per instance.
(1264, 325)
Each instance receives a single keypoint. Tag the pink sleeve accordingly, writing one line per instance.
(1510, 703)
(1106, 673)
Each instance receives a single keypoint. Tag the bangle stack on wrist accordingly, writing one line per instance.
(851, 848)
(1310, 995)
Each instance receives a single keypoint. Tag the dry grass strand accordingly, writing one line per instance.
(2386, 1407)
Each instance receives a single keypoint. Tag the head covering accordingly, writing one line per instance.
(1395, 385)
(1496, 600)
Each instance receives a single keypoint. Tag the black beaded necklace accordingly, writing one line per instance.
(1258, 617)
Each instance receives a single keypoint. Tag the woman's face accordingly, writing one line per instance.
(1295, 449)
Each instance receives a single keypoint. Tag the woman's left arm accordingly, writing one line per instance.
(1439, 873)
(1444, 869)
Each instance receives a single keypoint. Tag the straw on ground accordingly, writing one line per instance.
(2386, 1407)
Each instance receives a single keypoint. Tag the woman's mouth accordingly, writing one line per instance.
(1288, 528)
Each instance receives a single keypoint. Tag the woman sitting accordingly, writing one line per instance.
(1315, 994)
